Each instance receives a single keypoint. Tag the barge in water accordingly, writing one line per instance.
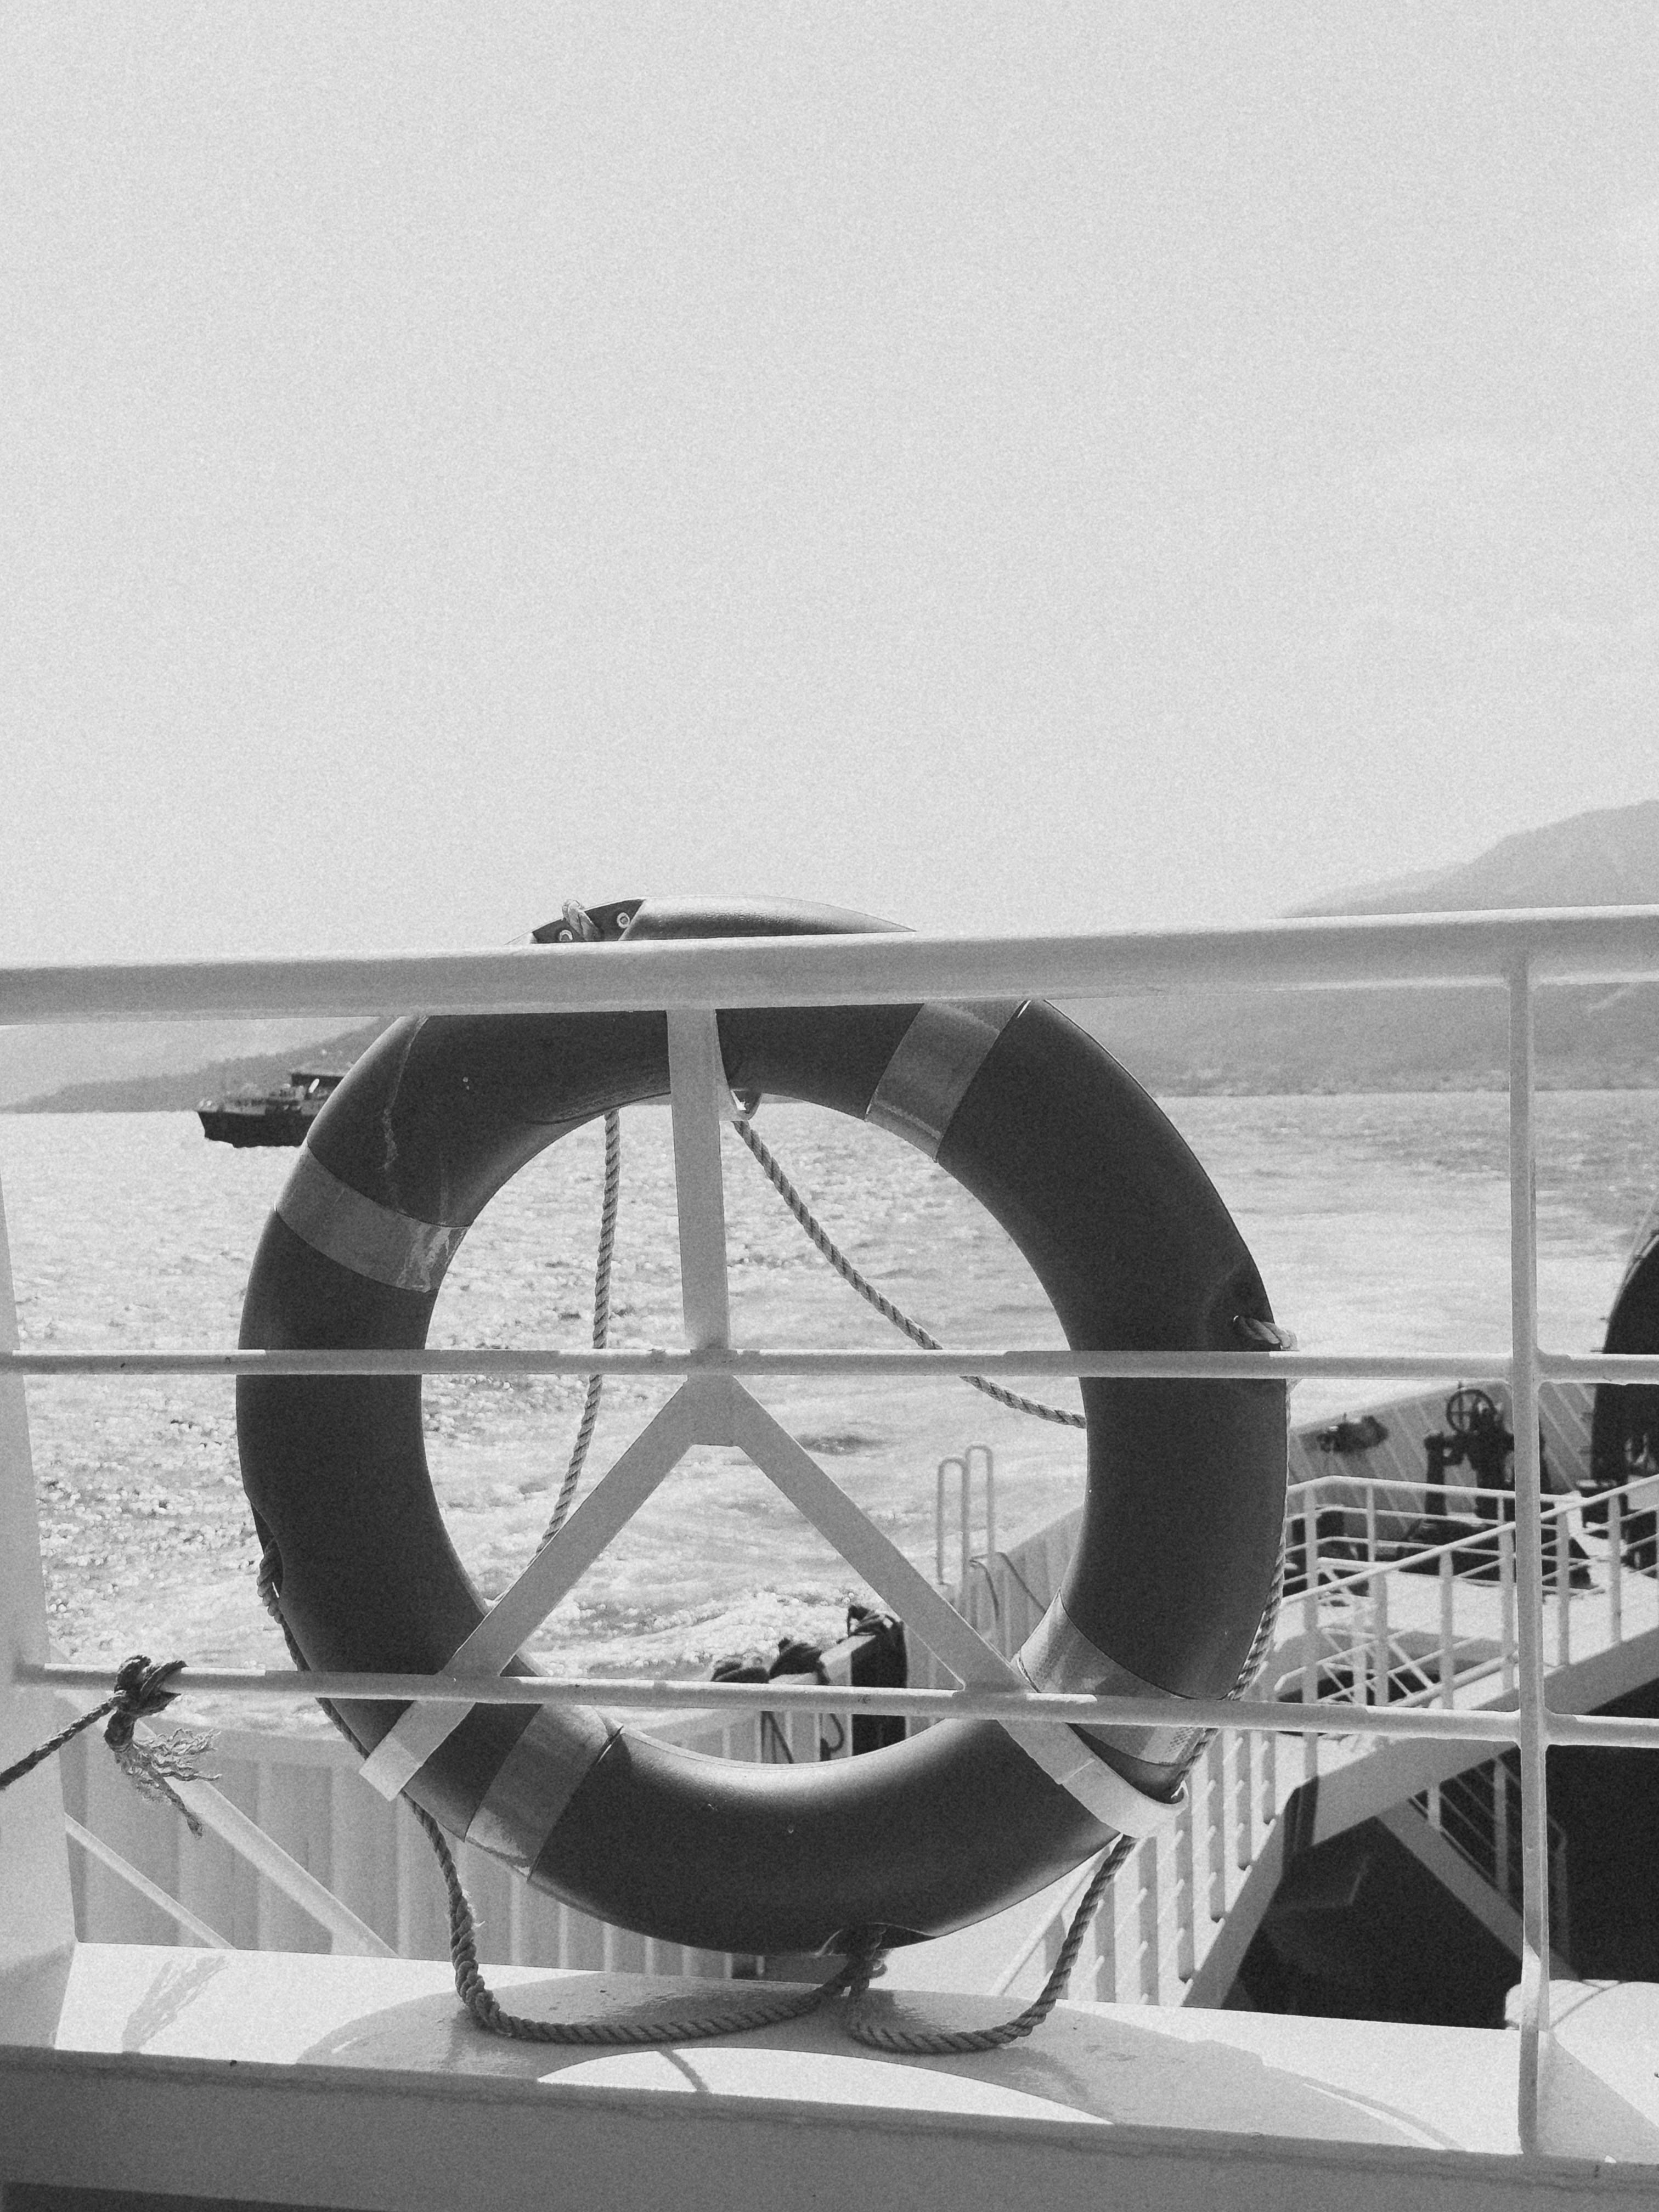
(281, 1117)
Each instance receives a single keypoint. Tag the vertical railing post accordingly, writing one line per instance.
(967, 1528)
(1375, 1691)
(1268, 1769)
(37, 1918)
(1563, 1588)
(1506, 1601)
(1530, 1551)
(945, 1466)
(1311, 1631)
(1215, 1824)
(986, 1459)
(1186, 1892)
(1243, 1842)
(1150, 1935)
(700, 1101)
(1615, 1569)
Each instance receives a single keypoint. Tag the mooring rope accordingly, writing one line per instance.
(850, 1979)
(573, 1473)
(941, 2042)
(936, 2042)
(867, 1290)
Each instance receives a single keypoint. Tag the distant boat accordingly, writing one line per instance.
(281, 1117)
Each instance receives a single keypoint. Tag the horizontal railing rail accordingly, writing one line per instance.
(1444, 1487)
(1337, 1576)
(953, 1361)
(808, 1361)
(1603, 944)
(1328, 1716)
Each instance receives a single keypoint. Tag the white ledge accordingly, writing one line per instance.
(335, 2080)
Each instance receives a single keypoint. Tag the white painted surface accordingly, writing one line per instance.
(826, 2078)
(701, 1099)
(1127, 2065)
(334, 2080)
(37, 1920)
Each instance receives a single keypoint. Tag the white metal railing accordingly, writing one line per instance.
(1515, 951)
(1477, 1814)
(368, 1882)
(1352, 1597)
(1378, 1619)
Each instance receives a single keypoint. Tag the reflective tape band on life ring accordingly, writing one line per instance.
(1174, 1563)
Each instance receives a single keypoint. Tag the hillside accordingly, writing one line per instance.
(1609, 858)
(37, 1060)
(1588, 1037)
(172, 1090)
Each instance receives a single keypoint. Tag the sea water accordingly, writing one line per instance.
(1378, 1223)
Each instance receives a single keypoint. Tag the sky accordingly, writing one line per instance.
(999, 466)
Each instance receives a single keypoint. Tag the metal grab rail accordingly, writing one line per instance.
(1513, 950)
(917, 1366)
(1579, 944)
(964, 1462)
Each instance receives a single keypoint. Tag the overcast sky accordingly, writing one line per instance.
(1002, 466)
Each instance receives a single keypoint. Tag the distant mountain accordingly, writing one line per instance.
(1609, 858)
(1589, 1037)
(185, 1076)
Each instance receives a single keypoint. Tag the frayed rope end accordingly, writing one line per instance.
(152, 1768)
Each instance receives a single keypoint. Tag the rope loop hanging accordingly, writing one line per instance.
(867, 1290)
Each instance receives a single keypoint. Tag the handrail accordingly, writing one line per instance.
(1461, 1491)
(1365, 1570)
(1328, 1716)
(1607, 942)
(953, 1360)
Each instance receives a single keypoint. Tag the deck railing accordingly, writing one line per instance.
(1478, 1814)
(1375, 1618)
(1514, 952)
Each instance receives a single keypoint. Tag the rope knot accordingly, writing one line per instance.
(139, 1692)
(866, 1953)
(152, 1768)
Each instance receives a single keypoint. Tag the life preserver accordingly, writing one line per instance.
(1174, 1568)
(1625, 1423)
